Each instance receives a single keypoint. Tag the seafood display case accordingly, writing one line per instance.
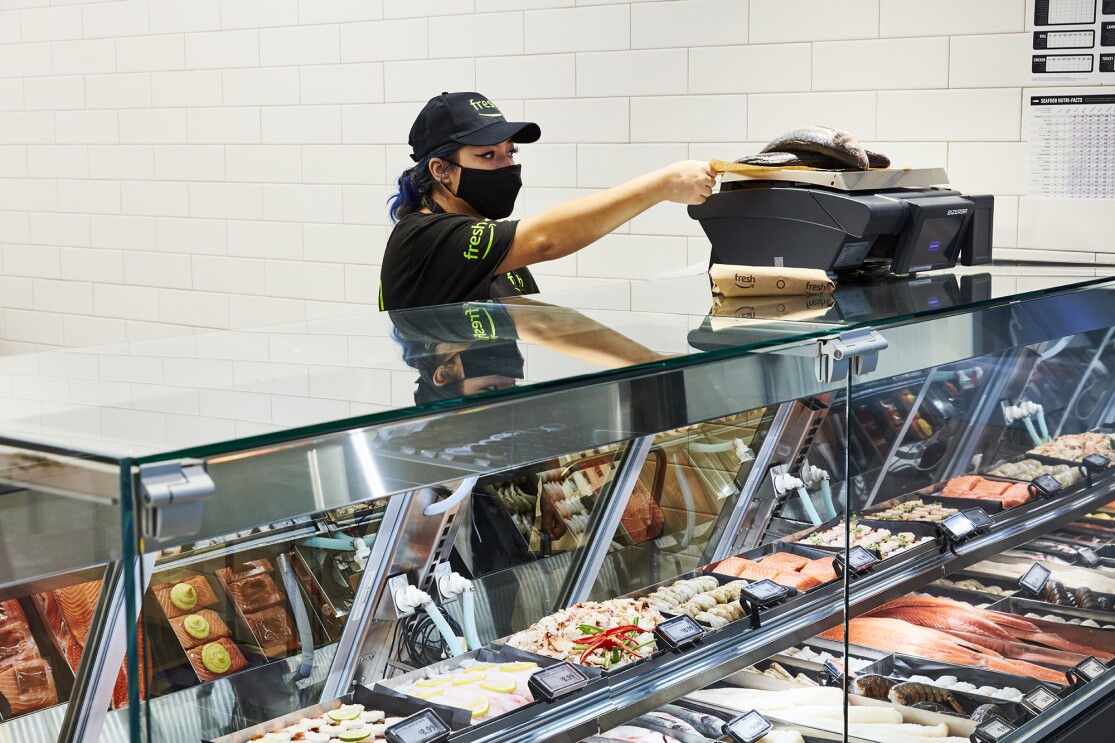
(887, 527)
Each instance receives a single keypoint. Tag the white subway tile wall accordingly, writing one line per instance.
(168, 166)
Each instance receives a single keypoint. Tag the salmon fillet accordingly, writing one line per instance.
(17, 645)
(821, 568)
(76, 604)
(74, 650)
(205, 597)
(217, 628)
(785, 561)
(53, 615)
(239, 662)
(898, 636)
(244, 570)
(992, 487)
(11, 613)
(274, 631)
(732, 566)
(758, 572)
(120, 689)
(965, 482)
(28, 686)
(797, 580)
(255, 593)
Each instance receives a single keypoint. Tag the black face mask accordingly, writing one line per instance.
(491, 193)
(501, 359)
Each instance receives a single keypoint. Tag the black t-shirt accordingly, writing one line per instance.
(447, 258)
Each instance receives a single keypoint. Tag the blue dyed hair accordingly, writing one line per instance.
(416, 185)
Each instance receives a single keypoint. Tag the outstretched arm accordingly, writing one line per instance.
(568, 227)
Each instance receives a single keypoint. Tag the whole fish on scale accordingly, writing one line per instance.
(834, 143)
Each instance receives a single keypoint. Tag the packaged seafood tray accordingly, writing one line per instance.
(252, 585)
(888, 539)
(938, 682)
(16, 652)
(178, 643)
(819, 711)
(486, 683)
(787, 563)
(1056, 614)
(380, 708)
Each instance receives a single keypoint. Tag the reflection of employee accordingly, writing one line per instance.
(447, 247)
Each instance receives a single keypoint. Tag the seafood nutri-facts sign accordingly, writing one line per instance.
(1073, 41)
(1072, 145)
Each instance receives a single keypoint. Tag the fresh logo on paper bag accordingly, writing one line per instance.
(745, 281)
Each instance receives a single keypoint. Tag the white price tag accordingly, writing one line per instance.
(422, 727)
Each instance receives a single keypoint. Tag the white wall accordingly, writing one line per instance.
(176, 164)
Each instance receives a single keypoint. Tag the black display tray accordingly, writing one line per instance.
(898, 665)
(918, 528)
(1077, 487)
(498, 654)
(384, 700)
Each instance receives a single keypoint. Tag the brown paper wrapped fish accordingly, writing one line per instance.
(762, 281)
(809, 307)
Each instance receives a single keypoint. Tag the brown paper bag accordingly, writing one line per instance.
(762, 281)
(810, 307)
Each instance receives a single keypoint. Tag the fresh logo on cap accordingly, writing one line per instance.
(482, 105)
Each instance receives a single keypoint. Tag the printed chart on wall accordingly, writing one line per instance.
(1073, 41)
(1072, 143)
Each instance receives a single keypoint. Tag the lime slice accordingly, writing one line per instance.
(354, 735)
(433, 682)
(502, 685)
(517, 666)
(468, 678)
(479, 705)
(344, 713)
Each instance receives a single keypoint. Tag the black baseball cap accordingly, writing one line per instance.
(464, 118)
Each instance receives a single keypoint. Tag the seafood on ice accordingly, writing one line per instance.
(915, 510)
(702, 598)
(885, 541)
(486, 689)
(898, 636)
(952, 683)
(349, 723)
(971, 584)
(1069, 575)
(602, 634)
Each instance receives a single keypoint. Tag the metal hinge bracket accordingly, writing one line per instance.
(173, 498)
(855, 350)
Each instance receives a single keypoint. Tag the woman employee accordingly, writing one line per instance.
(448, 244)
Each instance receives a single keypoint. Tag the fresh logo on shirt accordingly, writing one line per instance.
(476, 317)
(472, 252)
(517, 282)
(484, 107)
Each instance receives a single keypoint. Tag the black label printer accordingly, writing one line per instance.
(844, 221)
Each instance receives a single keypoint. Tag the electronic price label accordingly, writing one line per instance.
(1034, 579)
(1039, 700)
(832, 674)
(556, 681)
(858, 560)
(957, 527)
(748, 727)
(1045, 486)
(980, 519)
(421, 727)
(1096, 462)
(1088, 555)
(764, 593)
(678, 632)
(992, 730)
(1085, 671)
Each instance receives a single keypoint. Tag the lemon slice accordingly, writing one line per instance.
(479, 705)
(468, 678)
(480, 667)
(432, 682)
(517, 666)
(350, 736)
(344, 713)
(503, 686)
(425, 694)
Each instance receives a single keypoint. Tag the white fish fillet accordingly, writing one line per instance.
(864, 715)
(1071, 576)
(747, 699)
(782, 736)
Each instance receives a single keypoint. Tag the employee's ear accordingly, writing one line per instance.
(439, 169)
(442, 376)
